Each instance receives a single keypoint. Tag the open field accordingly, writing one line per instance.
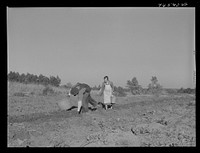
(35, 120)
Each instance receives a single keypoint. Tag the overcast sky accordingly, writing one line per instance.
(85, 44)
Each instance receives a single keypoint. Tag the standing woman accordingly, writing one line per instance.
(107, 91)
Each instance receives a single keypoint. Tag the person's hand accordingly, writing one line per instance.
(68, 94)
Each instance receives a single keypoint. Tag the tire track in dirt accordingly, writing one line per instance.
(40, 117)
(59, 115)
(55, 115)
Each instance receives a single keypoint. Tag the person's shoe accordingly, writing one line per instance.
(79, 112)
(93, 109)
(99, 103)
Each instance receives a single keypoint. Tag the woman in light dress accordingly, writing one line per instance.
(107, 90)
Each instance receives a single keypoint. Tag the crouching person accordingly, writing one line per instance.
(84, 98)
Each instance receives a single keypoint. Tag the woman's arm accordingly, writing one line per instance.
(102, 89)
(112, 86)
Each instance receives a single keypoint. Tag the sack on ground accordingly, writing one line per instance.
(64, 104)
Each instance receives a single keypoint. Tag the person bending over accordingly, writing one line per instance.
(84, 98)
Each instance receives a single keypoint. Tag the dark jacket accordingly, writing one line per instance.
(75, 89)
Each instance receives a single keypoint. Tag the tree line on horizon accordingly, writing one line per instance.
(35, 79)
(132, 85)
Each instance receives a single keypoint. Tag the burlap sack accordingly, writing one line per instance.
(68, 103)
(64, 104)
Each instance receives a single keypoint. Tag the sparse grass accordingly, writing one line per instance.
(14, 87)
(60, 90)
(48, 91)
(34, 89)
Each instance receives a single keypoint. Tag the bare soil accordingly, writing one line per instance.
(36, 121)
